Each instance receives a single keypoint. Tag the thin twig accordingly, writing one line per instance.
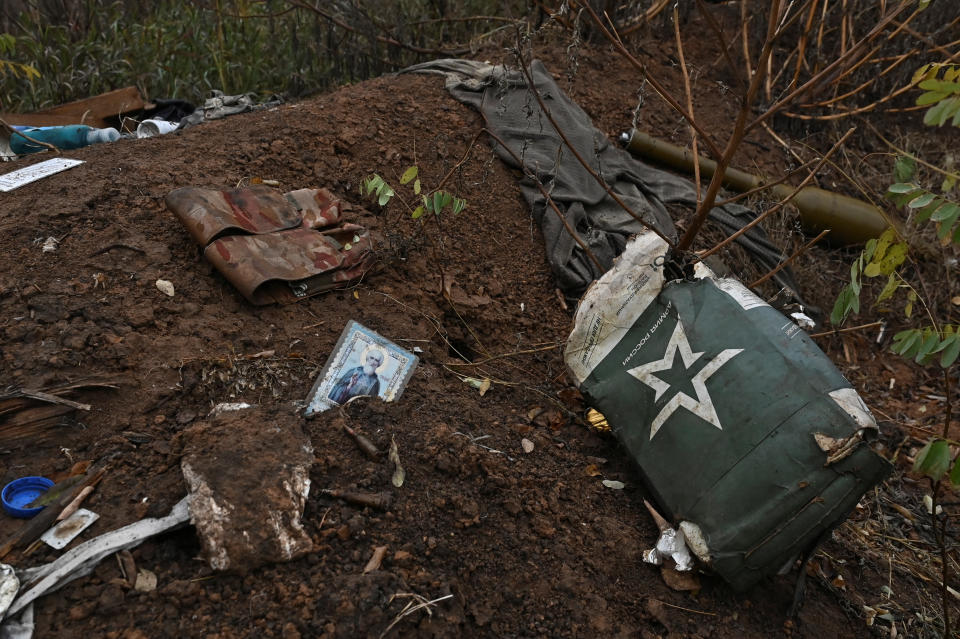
(736, 137)
(837, 64)
(503, 355)
(782, 265)
(782, 203)
(576, 154)
(386, 40)
(409, 609)
(689, 94)
(721, 40)
(12, 131)
(657, 86)
(699, 612)
(460, 163)
(847, 330)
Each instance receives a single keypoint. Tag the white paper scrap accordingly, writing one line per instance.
(34, 172)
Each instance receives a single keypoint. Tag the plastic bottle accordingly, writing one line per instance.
(74, 136)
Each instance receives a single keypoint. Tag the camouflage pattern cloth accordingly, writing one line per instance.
(208, 214)
(275, 247)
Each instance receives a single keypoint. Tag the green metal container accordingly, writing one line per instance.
(746, 434)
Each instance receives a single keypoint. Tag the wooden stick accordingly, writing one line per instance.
(75, 504)
(847, 330)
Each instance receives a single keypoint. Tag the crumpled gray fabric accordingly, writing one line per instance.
(512, 113)
(219, 106)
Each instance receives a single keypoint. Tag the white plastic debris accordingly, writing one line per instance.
(9, 585)
(68, 529)
(673, 545)
(153, 128)
(614, 484)
(84, 558)
(166, 287)
(803, 321)
(226, 407)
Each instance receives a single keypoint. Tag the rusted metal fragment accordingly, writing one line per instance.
(209, 213)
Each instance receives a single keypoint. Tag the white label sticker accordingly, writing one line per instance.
(740, 293)
(18, 178)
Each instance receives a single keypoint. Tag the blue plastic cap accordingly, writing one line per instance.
(20, 492)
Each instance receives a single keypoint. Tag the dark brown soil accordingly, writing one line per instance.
(528, 544)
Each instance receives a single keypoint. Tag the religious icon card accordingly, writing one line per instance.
(363, 364)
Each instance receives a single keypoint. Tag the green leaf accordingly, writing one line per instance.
(908, 308)
(924, 214)
(385, 194)
(933, 460)
(458, 205)
(904, 168)
(883, 243)
(904, 341)
(408, 175)
(417, 213)
(845, 303)
(889, 289)
(955, 475)
(948, 211)
(894, 257)
(902, 187)
(932, 84)
(948, 183)
(946, 223)
(416, 186)
(950, 353)
(929, 343)
(919, 202)
(931, 97)
(437, 202)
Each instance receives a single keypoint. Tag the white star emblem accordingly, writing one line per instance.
(702, 406)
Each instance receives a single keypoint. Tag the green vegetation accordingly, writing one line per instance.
(182, 50)
(931, 341)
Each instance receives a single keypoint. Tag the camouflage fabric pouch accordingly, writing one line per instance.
(273, 247)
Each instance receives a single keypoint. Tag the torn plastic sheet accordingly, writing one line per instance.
(76, 563)
(720, 399)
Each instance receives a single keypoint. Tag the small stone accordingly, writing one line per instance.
(527, 445)
(165, 287)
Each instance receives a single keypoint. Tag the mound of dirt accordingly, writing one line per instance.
(503, 541)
